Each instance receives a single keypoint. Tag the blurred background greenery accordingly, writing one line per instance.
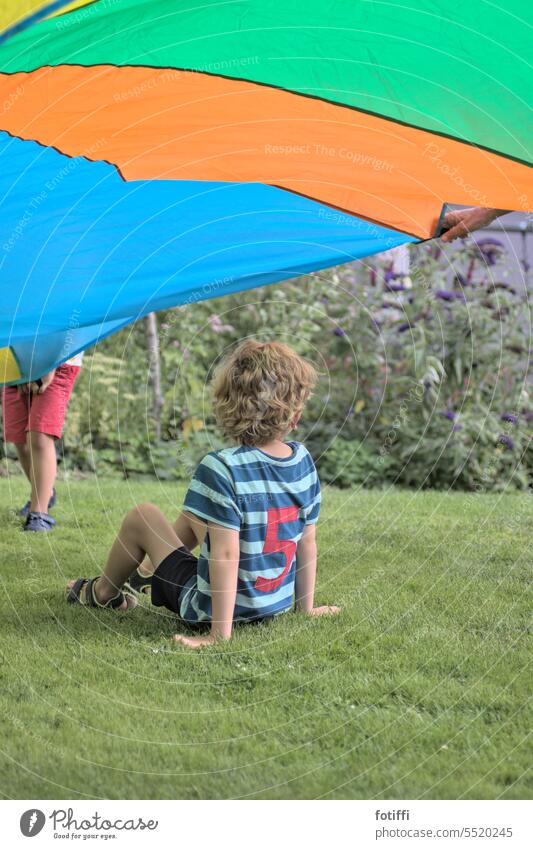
(424, 376)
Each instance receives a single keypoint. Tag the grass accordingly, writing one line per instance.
(418, 690)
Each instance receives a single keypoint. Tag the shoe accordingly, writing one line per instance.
(39, 523)
(138, 583)
(26, 509)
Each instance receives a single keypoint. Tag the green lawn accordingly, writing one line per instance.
(418, 690)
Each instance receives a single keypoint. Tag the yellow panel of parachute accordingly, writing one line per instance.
(9, 368)
(13, 11)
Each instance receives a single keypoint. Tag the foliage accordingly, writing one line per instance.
(423, 378)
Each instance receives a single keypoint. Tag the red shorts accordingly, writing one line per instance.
(40, 413)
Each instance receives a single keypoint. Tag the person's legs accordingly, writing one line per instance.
(16, 410)
(189, 529)
(45, 425)
(43, 469)
(144, 531)
(23, 453)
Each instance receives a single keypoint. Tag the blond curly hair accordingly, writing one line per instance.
(260, 390)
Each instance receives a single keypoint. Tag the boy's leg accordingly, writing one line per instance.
(23, 453)
(43, 469)
(16, 410)
(45, 425)
(144, 531)
(189, 529)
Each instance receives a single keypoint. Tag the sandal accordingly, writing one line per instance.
(26, 509)
(138, 583)
(77, 595)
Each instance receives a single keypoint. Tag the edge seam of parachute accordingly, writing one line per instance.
(348, 212)
(39, 15)
(437, 232)
(77, 9)
(63, 153)
(438, 228)
(438, 133)
(32, 18)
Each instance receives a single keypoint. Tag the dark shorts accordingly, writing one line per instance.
(171, 576)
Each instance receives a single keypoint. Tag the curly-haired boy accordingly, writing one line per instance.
(250, 509)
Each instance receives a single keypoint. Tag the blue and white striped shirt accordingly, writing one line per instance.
(269, 500)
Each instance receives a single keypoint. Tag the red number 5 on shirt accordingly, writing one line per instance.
(273, 544)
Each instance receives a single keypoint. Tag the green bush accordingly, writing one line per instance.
(423, 379)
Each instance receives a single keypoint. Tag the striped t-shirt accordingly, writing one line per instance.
(269, 500)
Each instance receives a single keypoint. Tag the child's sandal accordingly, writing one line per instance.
(82, 592)
(139, 583)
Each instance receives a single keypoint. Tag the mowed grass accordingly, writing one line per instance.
(419, 689)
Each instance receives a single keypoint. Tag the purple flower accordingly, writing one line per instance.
(506, 440)
(509, 417)
(448, 414)
(216, 324)
(445, 295)
(395, 287)
(506, 286)
(491, 249)
(489, 240)
(390, 275)
(403, 327)
(457, 427)
(339, 331)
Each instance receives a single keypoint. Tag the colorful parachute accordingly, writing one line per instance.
(17, 15)
(158, 152)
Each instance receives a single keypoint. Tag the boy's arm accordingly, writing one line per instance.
(223, 572)
(306, 570)
(306, 553)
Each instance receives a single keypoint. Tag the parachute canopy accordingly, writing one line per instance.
(17, 15)
(158, 152)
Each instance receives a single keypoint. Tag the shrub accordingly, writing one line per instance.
(423, 378)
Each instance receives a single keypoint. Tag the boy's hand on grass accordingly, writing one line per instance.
(325, 610)
(195, 642)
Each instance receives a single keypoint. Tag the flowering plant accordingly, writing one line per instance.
(424, 376)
